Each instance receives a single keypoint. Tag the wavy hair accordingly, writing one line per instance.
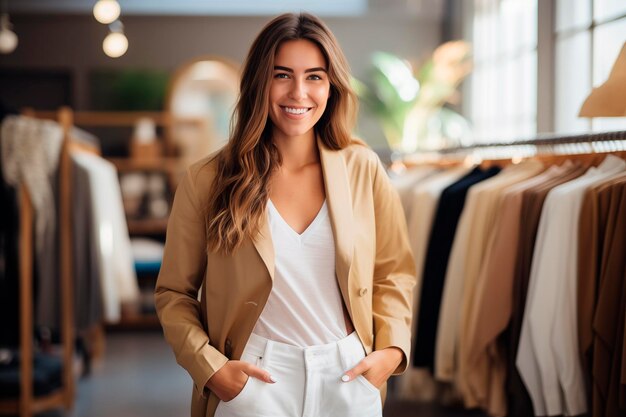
(244, 166)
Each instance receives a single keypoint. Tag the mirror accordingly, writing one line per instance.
(201, 98)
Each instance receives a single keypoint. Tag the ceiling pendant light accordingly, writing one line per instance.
(8, 38)
(106, 11)
(116, 43)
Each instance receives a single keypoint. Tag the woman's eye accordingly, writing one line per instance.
(281, 75)
(315, 77)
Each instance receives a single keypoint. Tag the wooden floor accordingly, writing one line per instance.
(140, 378)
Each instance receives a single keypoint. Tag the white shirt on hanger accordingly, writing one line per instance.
(118, 279)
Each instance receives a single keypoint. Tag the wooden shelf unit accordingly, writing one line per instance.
(130, 118)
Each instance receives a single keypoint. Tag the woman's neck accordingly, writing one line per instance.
(297, 151)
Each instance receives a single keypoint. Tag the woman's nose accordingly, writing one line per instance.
(298, 90)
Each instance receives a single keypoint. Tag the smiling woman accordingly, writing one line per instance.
(290, 321)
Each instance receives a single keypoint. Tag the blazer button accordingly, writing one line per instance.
(362, 292)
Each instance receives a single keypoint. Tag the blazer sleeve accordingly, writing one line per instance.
(394, 271)
(180, 278)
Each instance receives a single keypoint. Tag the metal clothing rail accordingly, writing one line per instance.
(547, 140)
(540, 146)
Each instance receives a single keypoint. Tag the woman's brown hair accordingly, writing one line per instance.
(244, 166)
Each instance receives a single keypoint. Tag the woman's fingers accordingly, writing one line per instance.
(359, 369)
(376, 367)
(258, 373)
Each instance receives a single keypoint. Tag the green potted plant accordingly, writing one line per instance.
(410, 105)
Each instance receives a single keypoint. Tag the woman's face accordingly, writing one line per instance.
(299, 89)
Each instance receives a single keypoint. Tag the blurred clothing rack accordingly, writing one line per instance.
(551, 148)
(28, 403)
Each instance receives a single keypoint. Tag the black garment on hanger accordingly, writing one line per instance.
(442, 233)
(9, 257)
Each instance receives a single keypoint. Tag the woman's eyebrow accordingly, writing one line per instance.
(287, 69)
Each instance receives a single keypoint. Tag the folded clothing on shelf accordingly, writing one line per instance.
(147, 254)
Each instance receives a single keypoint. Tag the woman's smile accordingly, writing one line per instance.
(296, 113)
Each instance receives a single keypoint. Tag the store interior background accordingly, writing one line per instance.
(51, 39)
(531, 74)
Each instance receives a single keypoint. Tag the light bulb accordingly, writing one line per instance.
(8, 38)
(106, 11)
(115, 44)
(8, 41)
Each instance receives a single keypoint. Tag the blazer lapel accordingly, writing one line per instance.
(339, 201)
(265, 247)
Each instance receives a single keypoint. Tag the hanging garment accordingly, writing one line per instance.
(608, 323)
(9, 267)
(493, 298)
(447, 330)
(82, 137)
(442, 234)
(423, 201)
(405, 182)
(518, 398)
(487, 195)
(86, 270)
(418, 384)
(617, 393)
(118, 280)
(30, 152)
(550, 374)
(564, 337)
(591, 228)
(451, 302)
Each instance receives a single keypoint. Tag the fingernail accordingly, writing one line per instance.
(272, 379)
(345, 378)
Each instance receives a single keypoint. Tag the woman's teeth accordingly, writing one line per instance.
(295, 111)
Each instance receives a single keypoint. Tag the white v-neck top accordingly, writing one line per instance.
(304, 307)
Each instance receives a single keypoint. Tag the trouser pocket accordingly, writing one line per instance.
(245, 400)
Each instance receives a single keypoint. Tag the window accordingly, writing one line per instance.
(503, 85)
(501, 95)
(589, 35)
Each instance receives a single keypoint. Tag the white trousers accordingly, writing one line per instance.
(308, 382)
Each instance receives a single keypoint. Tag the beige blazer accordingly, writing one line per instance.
(208, 303)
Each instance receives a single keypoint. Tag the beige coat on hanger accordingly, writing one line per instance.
(374, 269)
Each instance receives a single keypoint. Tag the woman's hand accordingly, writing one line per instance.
(376, 367)
(230, 379)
